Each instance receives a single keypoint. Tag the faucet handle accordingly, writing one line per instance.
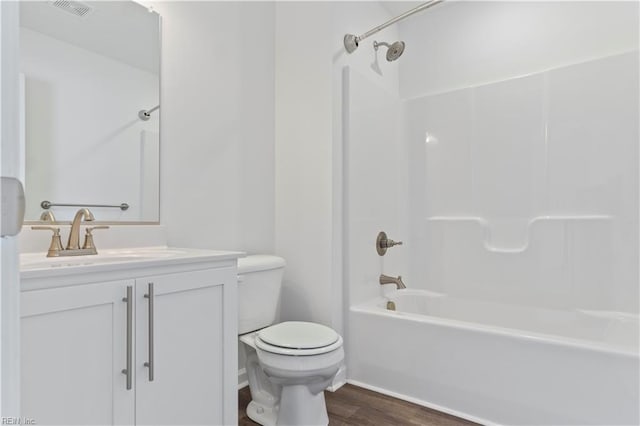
(383, 243)
(56, 244)
(91, 228)
(88, 237)
(390, 243)
(45, 228)
(47, 216)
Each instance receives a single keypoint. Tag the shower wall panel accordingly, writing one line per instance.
(376, 184)
(526, 190)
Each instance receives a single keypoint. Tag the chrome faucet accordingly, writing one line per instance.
(385, 279)
(74, 234)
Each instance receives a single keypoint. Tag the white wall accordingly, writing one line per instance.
(226, 182)
(309, 181)
(217, 131)
(463, 43)
(303, 158)
(85, 142)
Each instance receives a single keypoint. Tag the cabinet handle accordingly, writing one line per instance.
(127, 371)
(150, 363)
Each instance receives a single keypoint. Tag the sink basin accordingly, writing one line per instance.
(37, 261)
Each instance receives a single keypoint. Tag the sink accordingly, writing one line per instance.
(38, 261)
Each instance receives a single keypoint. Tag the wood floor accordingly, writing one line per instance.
(352, 405)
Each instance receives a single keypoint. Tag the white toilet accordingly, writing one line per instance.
(290, 364)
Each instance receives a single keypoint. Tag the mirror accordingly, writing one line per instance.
(88, 69)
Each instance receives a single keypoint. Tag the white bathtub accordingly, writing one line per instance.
(499, 364)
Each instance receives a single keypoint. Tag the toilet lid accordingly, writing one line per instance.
(298, 335)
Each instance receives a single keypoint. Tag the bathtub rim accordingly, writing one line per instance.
(371, 307)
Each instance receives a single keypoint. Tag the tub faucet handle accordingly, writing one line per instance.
(390, 243)
(383, 243)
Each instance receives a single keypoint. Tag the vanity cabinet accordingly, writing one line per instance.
(75, 346)
(187, 384)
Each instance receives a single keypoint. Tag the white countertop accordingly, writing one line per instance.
(38, 265)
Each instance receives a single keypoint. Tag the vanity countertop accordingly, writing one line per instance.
(106, 262)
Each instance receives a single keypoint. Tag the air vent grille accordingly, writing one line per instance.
(73, 7)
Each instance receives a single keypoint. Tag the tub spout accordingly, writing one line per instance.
(385, 279)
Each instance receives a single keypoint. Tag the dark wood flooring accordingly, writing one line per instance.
(352, 405)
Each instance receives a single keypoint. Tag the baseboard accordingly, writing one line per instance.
(340, 379)
(242, 379)
(422, 403)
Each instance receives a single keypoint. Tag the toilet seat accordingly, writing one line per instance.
(297, 352)
(298, 338)
(298, 335)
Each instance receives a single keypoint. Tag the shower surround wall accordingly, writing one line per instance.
(514, 160)
(508, 164)
(526, 190)
(524, 151)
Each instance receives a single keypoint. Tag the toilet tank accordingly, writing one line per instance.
(259, 283)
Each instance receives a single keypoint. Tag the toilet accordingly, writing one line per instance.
(289, 364)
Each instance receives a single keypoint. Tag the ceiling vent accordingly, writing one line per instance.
(73, 7)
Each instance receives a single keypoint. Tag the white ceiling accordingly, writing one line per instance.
(122, 30)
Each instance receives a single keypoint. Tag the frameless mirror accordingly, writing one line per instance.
(90, 88)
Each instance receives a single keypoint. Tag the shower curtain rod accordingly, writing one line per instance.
(144, 115)
(351, 41)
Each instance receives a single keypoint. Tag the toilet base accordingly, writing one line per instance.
(266, 416)
(291, 412)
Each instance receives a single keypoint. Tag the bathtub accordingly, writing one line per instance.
(498, 364)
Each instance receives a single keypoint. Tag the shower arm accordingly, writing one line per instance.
(351, 41)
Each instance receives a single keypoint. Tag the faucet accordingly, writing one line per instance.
(74, 234)
(73, 245)
(385, 279)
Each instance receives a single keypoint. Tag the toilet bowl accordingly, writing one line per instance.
(290, 364)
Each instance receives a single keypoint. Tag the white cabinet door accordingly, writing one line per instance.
(73, 351)
(184, 320)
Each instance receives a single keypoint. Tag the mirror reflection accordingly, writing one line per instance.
(90, 109)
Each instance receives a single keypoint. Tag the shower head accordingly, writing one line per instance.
(394, 51)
